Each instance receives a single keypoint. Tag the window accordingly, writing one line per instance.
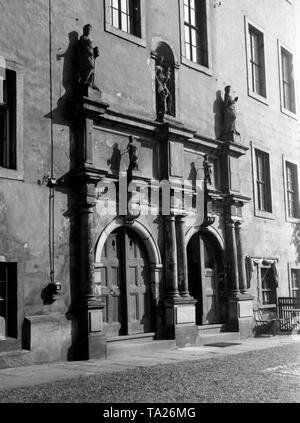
(263, 185)
(195, 31)
(292, 192)
(268, 286)
(287, 81)
(8, 300)
(8, 157)
(257, 77)
(126, 16)
(295, 283)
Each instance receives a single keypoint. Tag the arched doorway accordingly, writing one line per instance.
(125, 284)
(206, 281)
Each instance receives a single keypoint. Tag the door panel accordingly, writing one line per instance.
(112, 291)
(139, 316)
(125, 285)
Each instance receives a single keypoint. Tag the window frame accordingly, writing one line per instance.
(258, 281)
(289, 218)
(258, 29)
(110, 28)
(187, 62)
(18, 173)
(257, 212)
(292, 266)
(289, 51)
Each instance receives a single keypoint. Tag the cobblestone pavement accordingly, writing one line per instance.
(257, 370)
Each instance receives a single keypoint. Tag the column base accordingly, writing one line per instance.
(240, 315)
(180, 321)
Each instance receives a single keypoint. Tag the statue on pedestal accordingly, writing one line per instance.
(229, 116)
(87, 56)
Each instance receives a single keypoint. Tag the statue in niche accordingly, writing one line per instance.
(207, 170)
(87, 56)
(133, 158)
(163, 76)
(229, 116)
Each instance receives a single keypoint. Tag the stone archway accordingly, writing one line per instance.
(138, 257)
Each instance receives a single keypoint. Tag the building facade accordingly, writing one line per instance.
(149, 181)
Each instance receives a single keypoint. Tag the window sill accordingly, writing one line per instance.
(11, 174)
(125, 35)
(264, 214)
(196, 66)
(289, 113)
(258, 97)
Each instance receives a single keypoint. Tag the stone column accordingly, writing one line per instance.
(171, 258)
(233, 258)
(92, 341)
(241, 260)
(182, 258)
(87, 253)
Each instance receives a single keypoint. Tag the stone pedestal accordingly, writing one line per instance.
(240, 314)
(180, 321)
(48, 337)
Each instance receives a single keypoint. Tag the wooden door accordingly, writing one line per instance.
(210, 283)
(126, 285)
(203, 280)
(138, 287)
(112, 285)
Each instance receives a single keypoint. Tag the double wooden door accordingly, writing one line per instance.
(126, 285)
(204, 280)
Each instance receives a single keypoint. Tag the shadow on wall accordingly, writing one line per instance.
(218, 111)
(68, 114)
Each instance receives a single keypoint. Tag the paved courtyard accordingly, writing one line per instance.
(258, 370)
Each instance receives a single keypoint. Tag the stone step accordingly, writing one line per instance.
(117, 348)
(15, 358)
(10, 344)
(212, 329)
(219, 337)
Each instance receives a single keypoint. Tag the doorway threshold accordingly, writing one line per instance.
(141, 336)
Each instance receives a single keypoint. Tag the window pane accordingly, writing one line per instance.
(124, 7)
(187, 51)
(115, 4)
(193, 33)
(194, 53)
(124, 20)
(115, 18)
(193, 17)
(186, 14)
(187, 35)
